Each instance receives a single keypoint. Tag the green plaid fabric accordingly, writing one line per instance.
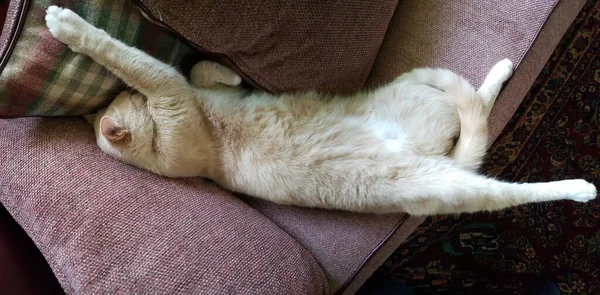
(45, 78)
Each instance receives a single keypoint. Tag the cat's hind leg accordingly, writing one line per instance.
(437, 186)
(473, 106)
(146, 74)
(472, 143)
(492, 84)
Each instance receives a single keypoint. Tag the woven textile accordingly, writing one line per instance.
(285, 46)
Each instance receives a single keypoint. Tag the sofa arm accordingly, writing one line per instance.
(106, 227)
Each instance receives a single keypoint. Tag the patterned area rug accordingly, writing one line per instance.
(554, 135)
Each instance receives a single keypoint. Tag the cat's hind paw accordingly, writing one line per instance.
(502, 70)
(66, 25)
(581, 190)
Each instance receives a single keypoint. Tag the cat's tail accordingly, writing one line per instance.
(473, 107)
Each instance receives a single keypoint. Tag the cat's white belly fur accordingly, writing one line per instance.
(391, 136)
(393, 145)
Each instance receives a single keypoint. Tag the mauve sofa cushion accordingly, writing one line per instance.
(340, 241)
(106, 227)
(285, 45)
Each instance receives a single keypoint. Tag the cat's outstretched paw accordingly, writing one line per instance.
(581, 190)
(66, 25)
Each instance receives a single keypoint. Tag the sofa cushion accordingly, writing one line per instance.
(106, 227)
(284, 45)
(40, 76)
(340, 241)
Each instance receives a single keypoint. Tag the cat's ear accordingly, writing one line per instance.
(111, 130)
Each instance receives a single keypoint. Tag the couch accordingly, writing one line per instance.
(236, 244)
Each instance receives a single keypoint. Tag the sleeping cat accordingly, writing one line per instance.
(392, 149)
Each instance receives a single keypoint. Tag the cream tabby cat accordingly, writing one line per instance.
(388, 150)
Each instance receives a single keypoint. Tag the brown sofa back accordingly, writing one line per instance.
(284, 45)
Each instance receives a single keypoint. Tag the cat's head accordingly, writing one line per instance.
(124, 129)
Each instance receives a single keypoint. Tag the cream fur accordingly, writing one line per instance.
(387, 150)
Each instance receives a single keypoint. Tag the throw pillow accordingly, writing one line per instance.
(40, 76)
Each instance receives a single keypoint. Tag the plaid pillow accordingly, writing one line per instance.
(42, 77)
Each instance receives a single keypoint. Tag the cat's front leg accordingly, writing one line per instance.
(146, 74)
(68, 27)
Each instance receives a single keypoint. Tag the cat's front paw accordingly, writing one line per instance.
(580, 190)
(66, 25)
